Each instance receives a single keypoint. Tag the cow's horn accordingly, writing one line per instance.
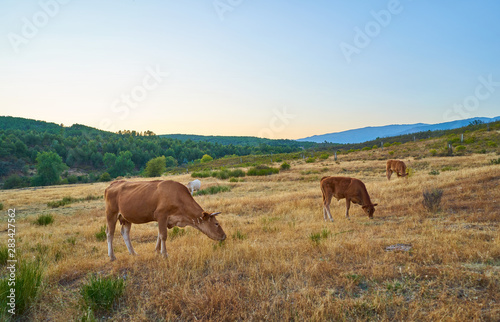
(215, 213)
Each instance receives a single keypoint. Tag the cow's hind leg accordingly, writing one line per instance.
(126, 226)
(326, 208)
(110, 232)
(388, 173)
(162, 237)
(347, 206)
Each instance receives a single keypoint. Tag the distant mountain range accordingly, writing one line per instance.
(372, 132)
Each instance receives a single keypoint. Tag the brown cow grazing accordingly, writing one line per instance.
(395, 166)
(349, 188)
(167, 202)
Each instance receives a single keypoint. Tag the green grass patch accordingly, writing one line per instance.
(101, 235)
(4, 254)
(44, 220)
(239, 235)
(99, 293)
(212, 190)
(177, 232)
(28, 281)
(67, 200)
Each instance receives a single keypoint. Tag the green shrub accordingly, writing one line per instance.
(324, 156)
(101, 235)
(375, 147)
(433, 152)
(155, 167)
(206, 158)
(236, 173)
(14, 181)
(223, 174)
(28, 281)
(212, 190)
(233, 180)
(44, 220)
(99, 293)
(262, 170)
(1, 206)
(391, 153)
(105, 177)
(492, 144)
(387, 144)
(311, 160)
(434, 172)
(460, 148)
(72, 179)
(366, 148)
(201, 174)
(285, 166)
(56, 204)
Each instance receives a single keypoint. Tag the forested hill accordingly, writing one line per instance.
(94, 151)
(238, 140)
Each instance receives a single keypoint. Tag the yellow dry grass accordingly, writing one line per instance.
(269, 268)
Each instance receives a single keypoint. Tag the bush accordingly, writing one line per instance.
(44, 220)
(202, 174)
(60, 203)
(101, 235)
(223, 174)
(105, 177)
(460, 148)
(72, 179)
(237, 173)
(212, 190)
(285, 166)
(155, 167)
(28, 281)
(366, 148)
(311, 160)
(1, 206)
(432, 199)
(391, 153)
(375, 147)
(262, 170)
(315, 238)
(233, 180)
(206, 158)
(324, 156)
(14, 181)
(433, 152)
(99, 293)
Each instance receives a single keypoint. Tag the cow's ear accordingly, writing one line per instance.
(206, 215)
(375, 204)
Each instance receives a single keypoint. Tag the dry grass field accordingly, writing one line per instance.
(281, 261)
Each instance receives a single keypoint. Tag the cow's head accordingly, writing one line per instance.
(209, 225)
(370, 209)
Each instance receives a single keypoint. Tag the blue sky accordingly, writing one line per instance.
(286, 69)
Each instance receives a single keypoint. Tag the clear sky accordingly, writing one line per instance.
(278, 69)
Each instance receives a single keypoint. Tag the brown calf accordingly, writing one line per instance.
(395, 166)
(349, 188)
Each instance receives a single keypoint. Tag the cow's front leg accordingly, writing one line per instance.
(347, 206)
(162, 237)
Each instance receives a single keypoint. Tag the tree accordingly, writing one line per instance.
(123, 164)
(171, 161)
(155, 167)
(206, 158)
(49, 168)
